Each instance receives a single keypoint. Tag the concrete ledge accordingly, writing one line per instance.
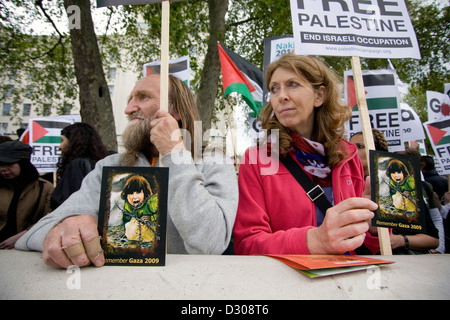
(209, 277)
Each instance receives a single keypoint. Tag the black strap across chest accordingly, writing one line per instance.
(313, 190)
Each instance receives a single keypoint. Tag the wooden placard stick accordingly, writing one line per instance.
(164, 89)
(230, 113)
(164, 68)
(383, 233)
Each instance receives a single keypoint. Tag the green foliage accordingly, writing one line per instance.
(189, 31)
(44, 61)
(249, 22)
(431, 72)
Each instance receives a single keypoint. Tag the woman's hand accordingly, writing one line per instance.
(344, 227)
(11, 241)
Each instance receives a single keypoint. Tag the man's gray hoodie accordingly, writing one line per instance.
(202, 204)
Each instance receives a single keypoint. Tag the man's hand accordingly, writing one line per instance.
(74, 241)
(165, 133)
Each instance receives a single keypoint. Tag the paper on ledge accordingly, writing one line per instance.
(324, 265)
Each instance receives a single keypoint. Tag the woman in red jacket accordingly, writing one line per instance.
(275, 215)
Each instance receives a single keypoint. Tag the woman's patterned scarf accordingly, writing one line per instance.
(311, 156)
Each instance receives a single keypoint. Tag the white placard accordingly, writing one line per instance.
(363, 28)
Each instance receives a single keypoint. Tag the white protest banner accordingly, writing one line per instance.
(438, 166)
(274, 48)
(439, 133)
(45, 138)
(438, 105)
(363, 28)
(447, 89)
(412, 128)
(178, 67)
(383, 102)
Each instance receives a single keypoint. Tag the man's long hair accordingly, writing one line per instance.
(181, 102)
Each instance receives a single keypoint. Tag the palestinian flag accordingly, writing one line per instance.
(241, 76)
(25, 137)
(46, 131)
(380, 88)
(438, 132)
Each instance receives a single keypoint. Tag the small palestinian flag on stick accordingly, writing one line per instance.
(241, 76)
(439, 134)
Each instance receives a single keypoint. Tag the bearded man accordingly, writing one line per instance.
(202, 199)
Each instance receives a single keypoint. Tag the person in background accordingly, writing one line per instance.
(275, 215)
(24, 197)
(379, 141)
(439, 183)
(81, 147)
(20, 132)
(5, 138)
(445, 208)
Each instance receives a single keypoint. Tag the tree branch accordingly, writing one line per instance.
(237, 23)
(38, 3)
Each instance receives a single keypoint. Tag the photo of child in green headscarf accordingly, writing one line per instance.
(133, 215)
(396, 187)
(402, 187)
(140, 209)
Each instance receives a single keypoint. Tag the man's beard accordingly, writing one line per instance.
(136, 136)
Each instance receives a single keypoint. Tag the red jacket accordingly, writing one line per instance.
(274, 211)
